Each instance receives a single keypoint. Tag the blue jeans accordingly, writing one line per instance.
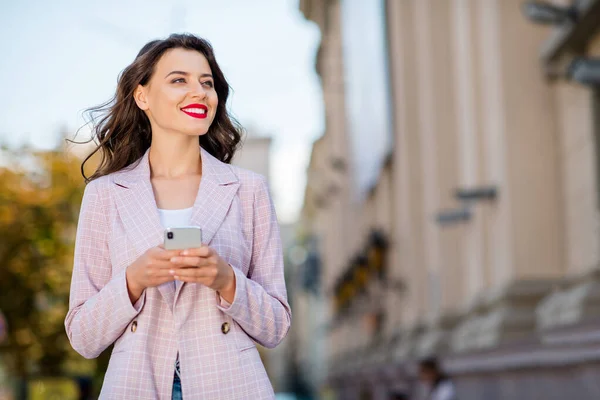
(177, 389)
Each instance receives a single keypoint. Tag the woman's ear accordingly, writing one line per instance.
(139, 95)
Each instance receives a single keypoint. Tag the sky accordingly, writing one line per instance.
(61, 57)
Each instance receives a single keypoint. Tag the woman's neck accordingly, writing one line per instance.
(175, 160)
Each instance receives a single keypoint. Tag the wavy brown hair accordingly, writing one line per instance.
(122, 131)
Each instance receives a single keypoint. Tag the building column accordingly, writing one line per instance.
(523, 225)
(468, 143)
(407, 160)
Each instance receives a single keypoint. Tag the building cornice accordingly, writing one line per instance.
(572, 37)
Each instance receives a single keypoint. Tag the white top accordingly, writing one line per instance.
(444, 391)
(175, 218)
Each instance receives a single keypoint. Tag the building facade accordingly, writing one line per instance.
(476, 238)
(254, 154)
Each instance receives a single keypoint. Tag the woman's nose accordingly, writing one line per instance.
(199, 91)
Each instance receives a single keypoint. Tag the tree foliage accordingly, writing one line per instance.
(40, 196)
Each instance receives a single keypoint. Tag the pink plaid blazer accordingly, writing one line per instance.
(216, 340)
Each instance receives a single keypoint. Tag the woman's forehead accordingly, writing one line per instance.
(190, 61)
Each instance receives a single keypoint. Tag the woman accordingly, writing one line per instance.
(183, 323)
(437, 385)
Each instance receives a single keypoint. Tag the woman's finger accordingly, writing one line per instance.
(203, 251)
(191, 279)
(160, 264)
(166, 254)
(190, 261)
(192, 272)
(164, 275)
(159, 273)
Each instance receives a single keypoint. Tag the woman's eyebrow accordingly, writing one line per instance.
(186, 74)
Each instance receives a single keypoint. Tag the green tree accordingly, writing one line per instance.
(40, 196)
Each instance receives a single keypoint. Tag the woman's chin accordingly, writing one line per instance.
(195, 132)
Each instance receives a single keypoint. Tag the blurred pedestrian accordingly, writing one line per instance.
(183, 322)
(3, 328)
(398, 395)
(438, 386)
(85, 387)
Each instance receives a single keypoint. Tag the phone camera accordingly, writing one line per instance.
(169, 235)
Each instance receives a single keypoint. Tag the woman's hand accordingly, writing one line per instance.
(203, 265)
(149, 270)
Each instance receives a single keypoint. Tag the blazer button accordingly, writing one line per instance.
(134, 326)
(225, 328)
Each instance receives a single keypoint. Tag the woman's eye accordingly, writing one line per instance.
(178, 80)
(208, 84)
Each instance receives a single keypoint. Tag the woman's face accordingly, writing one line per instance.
(426, 375)
(180, 96)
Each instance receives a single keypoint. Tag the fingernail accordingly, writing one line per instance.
(172, 272)
(185, 253)
(174, 259)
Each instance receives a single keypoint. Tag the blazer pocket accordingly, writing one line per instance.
(125, 341)
(248, 347)
(243, 341)
(116, 351)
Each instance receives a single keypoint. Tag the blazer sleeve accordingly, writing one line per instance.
(99, 304)
(260, 305)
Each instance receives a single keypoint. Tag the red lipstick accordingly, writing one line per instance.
(196, 110)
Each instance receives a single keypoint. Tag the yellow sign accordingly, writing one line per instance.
(53, 389)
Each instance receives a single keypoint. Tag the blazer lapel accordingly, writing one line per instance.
(218, 187)
(137, 208)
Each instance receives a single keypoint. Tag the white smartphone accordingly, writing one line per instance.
(185, 237)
